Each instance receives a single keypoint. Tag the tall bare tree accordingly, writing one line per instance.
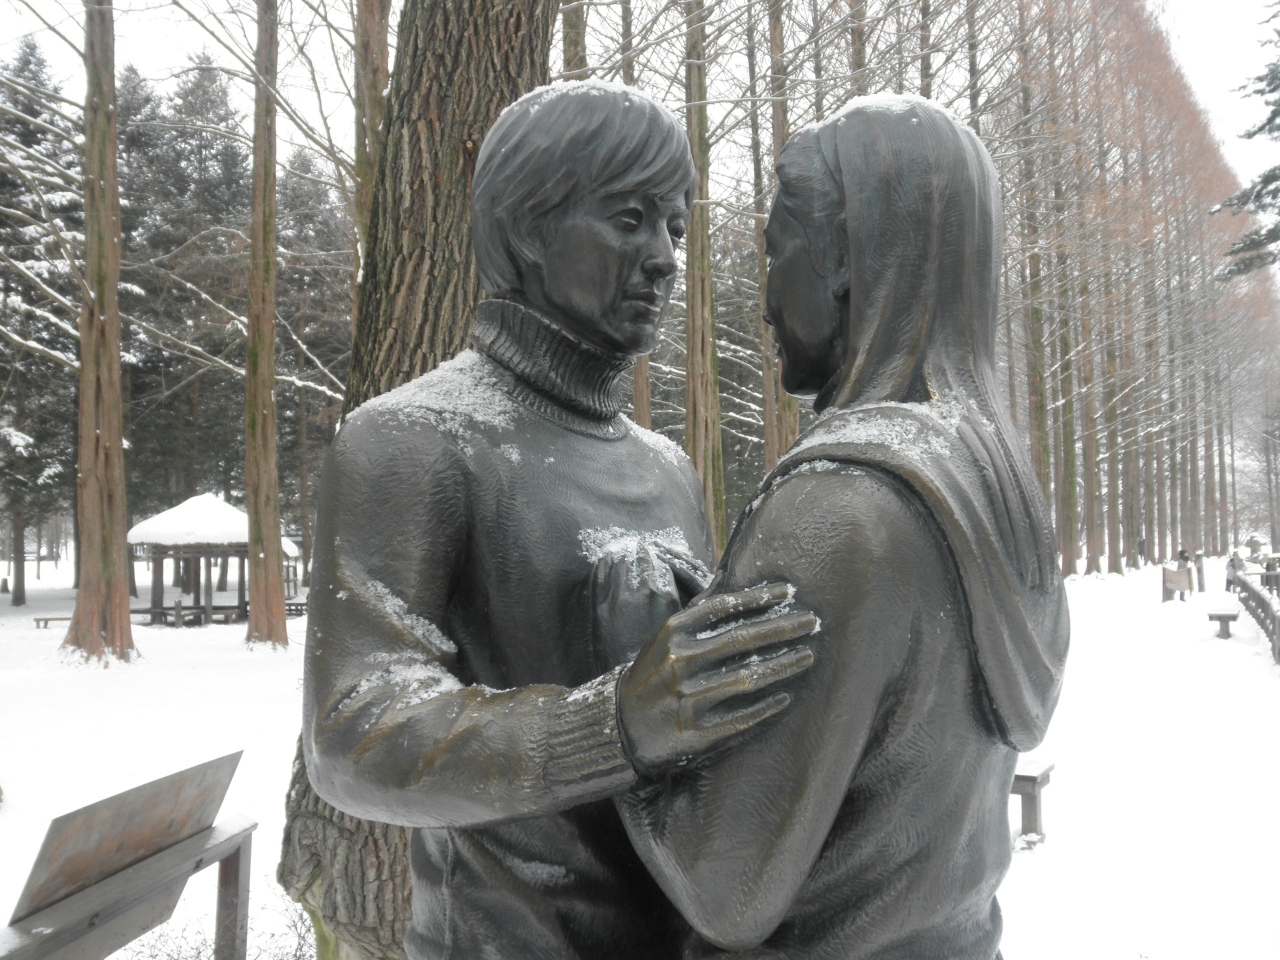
(372, 22)
(261, 477)
(702, 440)
(100, 624)
(458, 63)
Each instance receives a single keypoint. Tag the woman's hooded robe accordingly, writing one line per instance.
(870, 818)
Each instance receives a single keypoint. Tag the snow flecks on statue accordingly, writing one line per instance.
(456, 397)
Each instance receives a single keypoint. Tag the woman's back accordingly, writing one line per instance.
(886, 765)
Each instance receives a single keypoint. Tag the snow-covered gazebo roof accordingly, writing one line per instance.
(204, 519)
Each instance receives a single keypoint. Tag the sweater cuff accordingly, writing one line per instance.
(585, 758)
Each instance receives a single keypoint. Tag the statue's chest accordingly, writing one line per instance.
(545, 510)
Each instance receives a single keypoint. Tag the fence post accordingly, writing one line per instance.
(232, 926)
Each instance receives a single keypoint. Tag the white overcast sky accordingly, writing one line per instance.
(1218, 42)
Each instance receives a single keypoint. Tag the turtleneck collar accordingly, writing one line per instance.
(556, 365)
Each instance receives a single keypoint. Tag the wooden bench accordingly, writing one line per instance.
(1225, 618)
(295, 609)
(1027, 783)
(43, 622)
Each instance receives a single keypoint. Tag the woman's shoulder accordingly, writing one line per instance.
(824, 509)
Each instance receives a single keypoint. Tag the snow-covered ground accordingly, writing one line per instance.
(72, 733)
(1161, 840)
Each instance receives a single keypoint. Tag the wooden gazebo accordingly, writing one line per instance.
(203, 528)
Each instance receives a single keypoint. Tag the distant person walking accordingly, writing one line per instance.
(1184, 563)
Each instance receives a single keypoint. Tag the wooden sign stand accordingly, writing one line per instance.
(113, 870)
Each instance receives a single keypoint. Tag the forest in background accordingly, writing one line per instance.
(1139, 376)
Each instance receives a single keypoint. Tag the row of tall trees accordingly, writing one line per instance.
(184, 219)
(1134, 368)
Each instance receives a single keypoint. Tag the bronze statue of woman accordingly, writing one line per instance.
(870, 819)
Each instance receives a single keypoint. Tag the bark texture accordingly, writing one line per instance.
(372, 72)
(458, 63)
(352, 876)
(786, 412)
(261, 478)
(573, 30)
(702, 377)
(100, 624)
(372, 21)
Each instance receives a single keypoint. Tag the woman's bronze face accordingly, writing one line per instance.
(805, 309)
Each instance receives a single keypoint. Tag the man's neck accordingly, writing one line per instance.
(561, 367)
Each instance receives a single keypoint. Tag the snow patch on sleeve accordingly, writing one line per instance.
(420, 627)
(414, 677)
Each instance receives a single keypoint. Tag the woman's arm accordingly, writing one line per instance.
(732, 838)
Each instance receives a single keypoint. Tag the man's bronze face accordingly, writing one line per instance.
(608, 267)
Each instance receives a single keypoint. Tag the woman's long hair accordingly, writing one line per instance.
(906, 198)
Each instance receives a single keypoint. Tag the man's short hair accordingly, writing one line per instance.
(550, 148)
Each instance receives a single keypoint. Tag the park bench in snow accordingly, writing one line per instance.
(1029, 780)
(43, 622)
(1225, 618)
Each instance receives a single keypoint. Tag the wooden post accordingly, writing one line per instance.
(195, 581)
(1030, 814)
(208, 589)
(157, 583)
(177, 611)
(231, 927)
(240, 593)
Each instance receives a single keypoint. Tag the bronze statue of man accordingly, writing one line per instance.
(474, 524)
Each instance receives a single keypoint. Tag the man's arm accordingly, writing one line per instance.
(732, 838)
(392, 732)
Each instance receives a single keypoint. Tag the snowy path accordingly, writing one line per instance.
(1161, 834)
(1161, 841)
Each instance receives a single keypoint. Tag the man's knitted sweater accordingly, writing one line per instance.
(457, 679)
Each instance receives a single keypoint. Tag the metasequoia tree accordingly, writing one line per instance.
(786, 412)
(100, 624)
(370, 54)
(458, 63)
(702, 371)
(641, 395)
(261, 482)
